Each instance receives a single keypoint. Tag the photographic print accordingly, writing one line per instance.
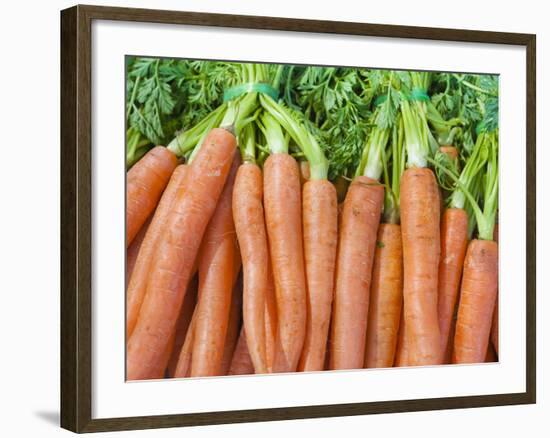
(289, 218)
(343, 224)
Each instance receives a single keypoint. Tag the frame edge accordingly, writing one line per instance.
(69, 375)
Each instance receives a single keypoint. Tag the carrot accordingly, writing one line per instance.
(182, 326)
(133, 250)
(160, 368)
(386, 298)
(320, 217)
(282, 202)
(402, 351)
(356, 247)
(183, 366)
(284, 224)
(241, 362)
(450, 151)
(304, 172)
(233, 326)
(454, 240)
(270, 318)
(421, 250)
(217, 261)
(137, 285)
(477, 302)
(448, 356)
(145, 182)
(176, 251)
(248, 214)
(494, 326)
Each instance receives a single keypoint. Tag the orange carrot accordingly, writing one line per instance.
(145, 182)
(182, 326)
(233, 326)
(304, 172)
(248, 213)
(270, 318)
(183, 366)
(216, 278)
(282, 202)
(133, 250)
(386, 298)
(448, 356)
(242, 361)
(401, 350)
(176, 251)
(454, 240)
(137, 285)
(160, 368)
(421, 249)
(320, 218)
(356, 247)
(477, 302)
(450, 151)
(494, 326)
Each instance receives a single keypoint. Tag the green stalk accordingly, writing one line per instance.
(416, 130)
(393, 182)
(371, 163)
(469, 175)
(482, 177)
(273, 133)
(187, 140)
(247, 142)
(318, 164)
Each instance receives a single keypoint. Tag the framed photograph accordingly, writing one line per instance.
(323, 218)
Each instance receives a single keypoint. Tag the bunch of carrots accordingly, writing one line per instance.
(246, 254)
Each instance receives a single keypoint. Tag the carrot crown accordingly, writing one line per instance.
(305, 140)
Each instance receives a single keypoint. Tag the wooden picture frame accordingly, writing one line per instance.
(76, 226)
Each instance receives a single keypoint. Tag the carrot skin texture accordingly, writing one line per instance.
(494, 326)
(305, 173)
(233, 327)
(145, 182)
(241, 363)
(217, 272)
(401, 350)
(356, 246)
(386, 299)
(283, 211)
(183, 324)
(454, 240)
(270, 319)
(420, 217)
(477, 302)
(183, 366)
(133, 251)
(248, 213)
(320, 222)
(176, 251)
(137, 285)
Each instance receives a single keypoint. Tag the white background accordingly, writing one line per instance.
(29, 231)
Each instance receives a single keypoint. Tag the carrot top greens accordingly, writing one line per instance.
(341, 119)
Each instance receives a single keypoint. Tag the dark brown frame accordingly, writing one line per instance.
(76, 161)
